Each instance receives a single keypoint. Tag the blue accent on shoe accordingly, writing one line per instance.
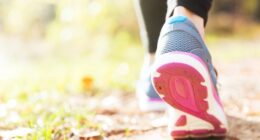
(177, 19)
(144, 85)
(184, 37)
(150, 91)
(148, 99)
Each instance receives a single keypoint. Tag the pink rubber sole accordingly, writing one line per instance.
(180, 86)
(203, 133)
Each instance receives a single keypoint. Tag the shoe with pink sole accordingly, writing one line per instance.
(184, 77)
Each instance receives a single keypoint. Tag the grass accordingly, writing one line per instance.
(49, 95)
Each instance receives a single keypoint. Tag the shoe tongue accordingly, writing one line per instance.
(177, 19)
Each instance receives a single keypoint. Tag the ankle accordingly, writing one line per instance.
(195, 19)
(149, 58)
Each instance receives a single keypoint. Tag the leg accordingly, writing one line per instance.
(151, 17)
(195, 10)
(197, 7)
(184, 76)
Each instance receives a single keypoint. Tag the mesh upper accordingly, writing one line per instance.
(179, 41)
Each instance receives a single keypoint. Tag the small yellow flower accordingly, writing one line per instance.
(87, 83)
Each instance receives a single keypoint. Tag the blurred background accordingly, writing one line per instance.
(50, 50)
(59, 44)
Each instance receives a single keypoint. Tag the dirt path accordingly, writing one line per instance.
(239, 90)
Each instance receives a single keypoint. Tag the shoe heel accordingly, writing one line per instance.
(183, 81)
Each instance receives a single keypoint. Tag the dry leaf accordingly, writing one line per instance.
(91, 136)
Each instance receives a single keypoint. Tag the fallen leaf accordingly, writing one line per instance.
(91, 136)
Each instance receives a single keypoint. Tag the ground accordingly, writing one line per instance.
(239, 91)
(32, 110)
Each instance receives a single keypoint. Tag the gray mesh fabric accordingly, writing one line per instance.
(179, 39)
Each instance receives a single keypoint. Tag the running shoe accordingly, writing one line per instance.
(148, 99)
(184, 77)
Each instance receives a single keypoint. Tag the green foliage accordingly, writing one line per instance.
(99, 36)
